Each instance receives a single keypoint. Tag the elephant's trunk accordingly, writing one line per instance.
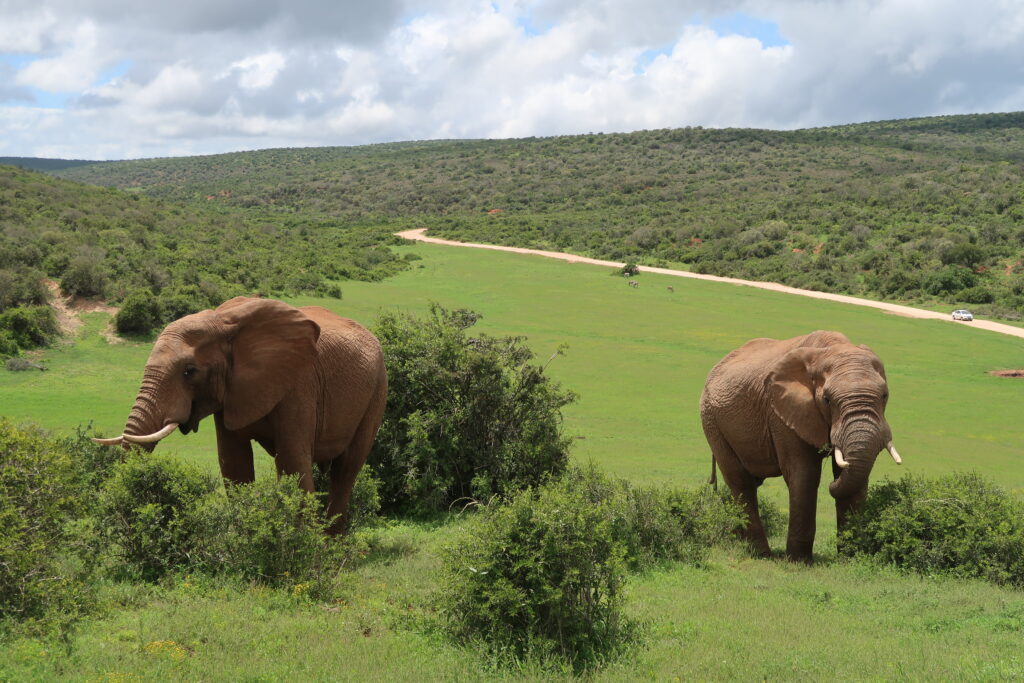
(859, 444)
(145, 425)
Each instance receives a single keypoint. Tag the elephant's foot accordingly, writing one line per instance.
(800, 551)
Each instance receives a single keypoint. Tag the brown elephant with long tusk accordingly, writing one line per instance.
(775, 407)
(307, 385)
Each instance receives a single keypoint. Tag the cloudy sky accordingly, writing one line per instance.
(111, 79)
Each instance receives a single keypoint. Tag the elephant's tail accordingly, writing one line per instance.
(714, 474)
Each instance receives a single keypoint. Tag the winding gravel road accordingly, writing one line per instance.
(419, 235)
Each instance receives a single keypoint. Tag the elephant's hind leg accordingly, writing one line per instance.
(344, 470)
(743, 486)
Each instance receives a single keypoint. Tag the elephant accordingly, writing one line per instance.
(308, 385)
(777, 407)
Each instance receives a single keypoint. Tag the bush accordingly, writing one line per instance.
(656, 523)
(149, 509)
(466, 416)
(179, 302)
(540, 577)
(40, 492)
(140, 313)
(628, 270)
(8, 347)
(959, 524)
(86, 274)
(270, 531)
(976, 295)
(20, 286)
(29, 326)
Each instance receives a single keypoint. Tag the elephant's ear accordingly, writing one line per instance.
(791, 389)
(272, 344)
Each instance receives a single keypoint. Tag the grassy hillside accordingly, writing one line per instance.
(638, 358)
(918, 210)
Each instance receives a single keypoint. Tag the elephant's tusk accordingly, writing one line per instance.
(892, 451)
(109, 442)
(151, 438)
(840, 460)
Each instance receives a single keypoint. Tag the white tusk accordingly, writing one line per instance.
(892, 451)
(151, 438)
(110, 442)
(840, 460)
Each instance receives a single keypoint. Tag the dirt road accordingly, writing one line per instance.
(419, 235)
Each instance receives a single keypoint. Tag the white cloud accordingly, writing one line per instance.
(259, 71)
(74, 69)
(207, 76)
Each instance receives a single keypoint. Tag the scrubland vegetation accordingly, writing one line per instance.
(915, 210)
(160, 260)
(535, 505)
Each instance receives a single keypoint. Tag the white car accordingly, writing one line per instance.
(962, 314)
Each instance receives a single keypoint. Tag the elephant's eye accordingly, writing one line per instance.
(190, 371)
(828, 400)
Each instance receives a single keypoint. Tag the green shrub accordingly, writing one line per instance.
(21, 286)
(181, 301)
(959, 524)
(40, 493)
(86, 273)
(8, 347)
(466, 416)
(976, 295)
(140, 313)
(270, 531)
(29, 326)
(149, 511)
(657, 523)
(541, 577)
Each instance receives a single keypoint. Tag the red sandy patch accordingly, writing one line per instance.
(68, 309)
(1007, 373)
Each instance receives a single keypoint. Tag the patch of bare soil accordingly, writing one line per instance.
(69, 308)
(1007, 373)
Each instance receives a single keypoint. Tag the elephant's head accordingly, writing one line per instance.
(836, 395)
(241, 358)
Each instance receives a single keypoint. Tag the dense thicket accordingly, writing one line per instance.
(468, 416)
(73, 513)
(917, 209)
(180, 259)
(541, 574)
(960, 524)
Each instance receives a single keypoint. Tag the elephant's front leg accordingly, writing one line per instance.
(234, 454)
(802, 477)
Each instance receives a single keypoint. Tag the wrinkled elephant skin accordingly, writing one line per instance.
(307, 385)
(778, 407)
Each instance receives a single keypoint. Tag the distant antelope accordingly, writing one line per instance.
(671, 289)
(634, 283)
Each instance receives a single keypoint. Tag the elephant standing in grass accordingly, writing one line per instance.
(307, 385)
(774, 408)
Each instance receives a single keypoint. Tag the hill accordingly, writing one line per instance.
(108, 243)
(913, 210)
(40, 164)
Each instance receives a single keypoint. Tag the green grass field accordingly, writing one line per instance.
(637, 358)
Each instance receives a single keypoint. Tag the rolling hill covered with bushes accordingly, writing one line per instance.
(926, 210)
(166, 258)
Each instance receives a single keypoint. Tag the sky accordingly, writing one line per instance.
(120, 79)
